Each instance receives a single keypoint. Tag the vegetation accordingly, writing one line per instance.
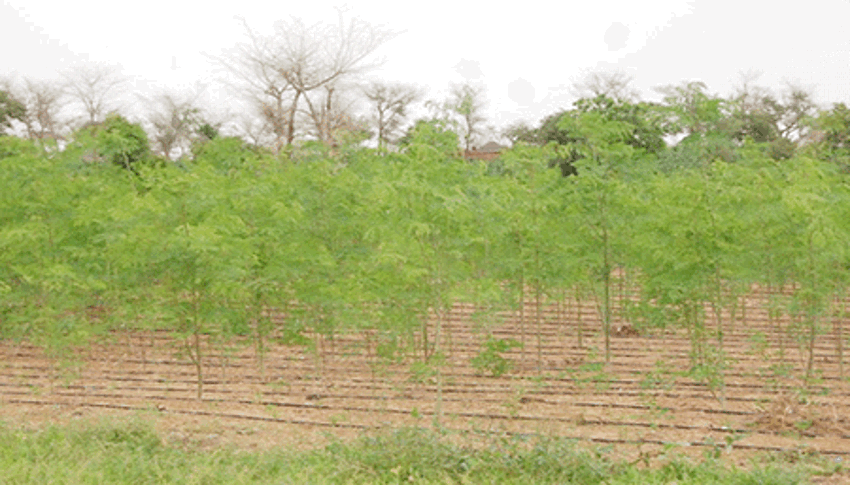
(171, 224)
(111, 452)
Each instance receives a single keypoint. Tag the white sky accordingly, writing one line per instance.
(539, 46)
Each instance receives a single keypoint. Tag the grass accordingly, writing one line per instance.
(112, 451)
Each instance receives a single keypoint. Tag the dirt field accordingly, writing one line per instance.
(634, 403)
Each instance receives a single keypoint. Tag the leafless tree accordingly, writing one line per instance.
(320, 56)
(42, 100)
(304, 63)
(94, 86)
(615, 85)
(260, 83)
(255, 131)
(173, 119)
(389, 107)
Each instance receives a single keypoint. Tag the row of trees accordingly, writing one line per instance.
(692, 125)
(306, 82)
(366, 241)
(300, 82)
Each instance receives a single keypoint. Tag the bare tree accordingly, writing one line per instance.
(615, 85)
(319, 56)
(260, 82)
(174, 119)
(42, 101)
(94, 86)
(389, 107)
(299, 61)
(256, 131)
(331, 114)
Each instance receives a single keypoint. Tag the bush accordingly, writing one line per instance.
(115, 140)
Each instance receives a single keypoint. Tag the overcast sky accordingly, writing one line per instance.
(527, 53)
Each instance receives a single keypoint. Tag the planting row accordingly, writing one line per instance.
(361, 241)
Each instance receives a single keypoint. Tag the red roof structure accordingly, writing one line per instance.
(489, 151)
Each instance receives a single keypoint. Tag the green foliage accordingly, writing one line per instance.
(115, 140)
(434, 134)
(490, 359)
(113, 452)
(224, 153)
(10, 109)
(638, 125)
(346, 240)
(14, 146)
(834, 145)
(207, 132)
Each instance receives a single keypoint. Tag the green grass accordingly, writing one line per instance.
(132, 452)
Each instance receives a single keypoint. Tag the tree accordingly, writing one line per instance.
(434, 133)
(10, 109)
(521, 131)
(332, 117)
(647, 123)
(93, 86)
(389, 107)
(831, 135)
(467, 102)
(261, 83)
(174, 120)
(299, 60)
(117, 141)
(41, 101)
(614, 85)
(704, 122)
(777, 121)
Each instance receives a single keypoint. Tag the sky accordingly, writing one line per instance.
(526, 54)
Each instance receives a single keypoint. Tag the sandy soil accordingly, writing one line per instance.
(635, 403)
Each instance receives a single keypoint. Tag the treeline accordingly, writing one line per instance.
(309, 83)
(347, 239)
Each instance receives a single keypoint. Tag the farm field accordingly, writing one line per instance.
(640, 402)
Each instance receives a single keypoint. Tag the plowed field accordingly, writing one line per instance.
(640, 399)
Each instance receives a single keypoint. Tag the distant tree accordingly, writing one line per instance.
(830, 138)
(467, 102)
(614, 85)
(433, 132)
(42, 106)
(649, 120)
(207, 132)
(777, 121)
(261, 83)
(94, 86)
(10, 109)
(646, 122)
(521, 132)
(704, 122)
(300, 61)
(694, 111)
(114, 140)
(389, 105)
(174, 121)
(332, 117)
